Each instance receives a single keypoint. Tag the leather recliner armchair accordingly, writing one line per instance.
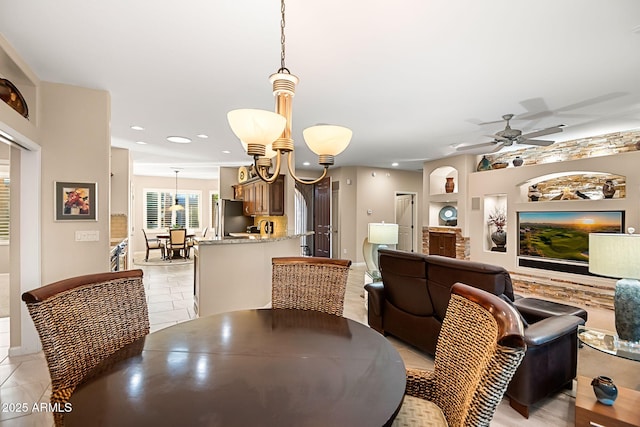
(410, 303)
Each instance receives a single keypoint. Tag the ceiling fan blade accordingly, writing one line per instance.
(473, 147)
(539, 142)
(499, 147)
(543, 132)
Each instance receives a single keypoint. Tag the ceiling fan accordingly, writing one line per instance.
(509, 136)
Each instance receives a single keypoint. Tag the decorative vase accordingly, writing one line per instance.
(517, 161)
(534, 194)
(499, 238)
(608, 189)
(626, 303)
(449, 185)
(484, 164)
(605, 390)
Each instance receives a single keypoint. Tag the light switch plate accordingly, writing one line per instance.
(87, 236)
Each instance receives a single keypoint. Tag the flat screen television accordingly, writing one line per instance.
(547, 239)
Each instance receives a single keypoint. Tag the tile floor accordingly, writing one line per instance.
(169, 293)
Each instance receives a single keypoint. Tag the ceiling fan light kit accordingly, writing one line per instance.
(264, 133)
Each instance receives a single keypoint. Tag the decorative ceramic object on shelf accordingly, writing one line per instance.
(534, 194)
(517, 161)
(499, 165)
(449, 185)
(484, 164)
(605, 390)
(608, 189)
(12, 96)
(499, 238)
(449, 216)
(498, 218)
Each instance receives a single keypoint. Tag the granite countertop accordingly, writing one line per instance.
(251, 238)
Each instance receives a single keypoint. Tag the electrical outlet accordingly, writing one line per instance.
(344, 251)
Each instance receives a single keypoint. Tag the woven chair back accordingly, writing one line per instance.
(478, 351)
(309, 283)
(83, 320)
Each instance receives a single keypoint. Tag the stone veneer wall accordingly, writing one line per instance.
(563, 291)
(602, 145)
(462, 243)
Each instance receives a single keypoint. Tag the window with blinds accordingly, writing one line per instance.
(157, 214)
(4, 209)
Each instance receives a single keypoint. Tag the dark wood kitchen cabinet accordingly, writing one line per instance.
(261, 198)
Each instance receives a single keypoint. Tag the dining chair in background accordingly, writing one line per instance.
(83, 320)
(153, 244)
(177, 242)
(309, 283)
(481, 344)
(191, 242)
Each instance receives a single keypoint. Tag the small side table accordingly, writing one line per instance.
(590, 412)
(625, 411)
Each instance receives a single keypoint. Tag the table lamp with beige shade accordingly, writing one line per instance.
(379, 235)
(618, 255)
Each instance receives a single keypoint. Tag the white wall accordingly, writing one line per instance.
(76, 142)
(376, 193)
(120, 180)
(140, 183)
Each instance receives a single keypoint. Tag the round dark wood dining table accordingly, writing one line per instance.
(266, 367)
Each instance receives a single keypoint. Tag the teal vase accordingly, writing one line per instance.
(605, 390)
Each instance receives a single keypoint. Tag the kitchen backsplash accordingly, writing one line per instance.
(279, 223)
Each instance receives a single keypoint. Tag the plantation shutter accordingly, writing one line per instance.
(4, 210)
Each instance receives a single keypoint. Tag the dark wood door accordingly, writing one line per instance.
(322, 218)
(442, 244)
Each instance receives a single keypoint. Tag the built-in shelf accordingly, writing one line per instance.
(573, 186)
(438, 179)
(494, 204)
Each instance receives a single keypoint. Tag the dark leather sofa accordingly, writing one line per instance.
(411, 300)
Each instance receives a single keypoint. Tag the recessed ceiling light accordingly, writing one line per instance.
(178, 139)
(306, 163)
(141, 142)
(226, 151)
(394, 164)
(136, 127)
(203, 136)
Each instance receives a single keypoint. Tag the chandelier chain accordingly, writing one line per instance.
(282, 39)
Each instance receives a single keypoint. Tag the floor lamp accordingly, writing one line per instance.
(618, 255)
(379, 235)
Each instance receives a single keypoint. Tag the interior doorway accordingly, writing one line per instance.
(406, 214)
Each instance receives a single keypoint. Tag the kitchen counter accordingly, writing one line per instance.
(234, 273)
(242, 238)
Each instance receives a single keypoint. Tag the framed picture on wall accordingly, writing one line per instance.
(75, 201)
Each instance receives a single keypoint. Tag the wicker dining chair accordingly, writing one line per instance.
(83, 320)
(309, 283)
(481, 344)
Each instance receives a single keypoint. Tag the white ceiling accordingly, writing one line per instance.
(411, 78)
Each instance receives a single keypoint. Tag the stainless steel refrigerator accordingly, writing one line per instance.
(229, 218)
